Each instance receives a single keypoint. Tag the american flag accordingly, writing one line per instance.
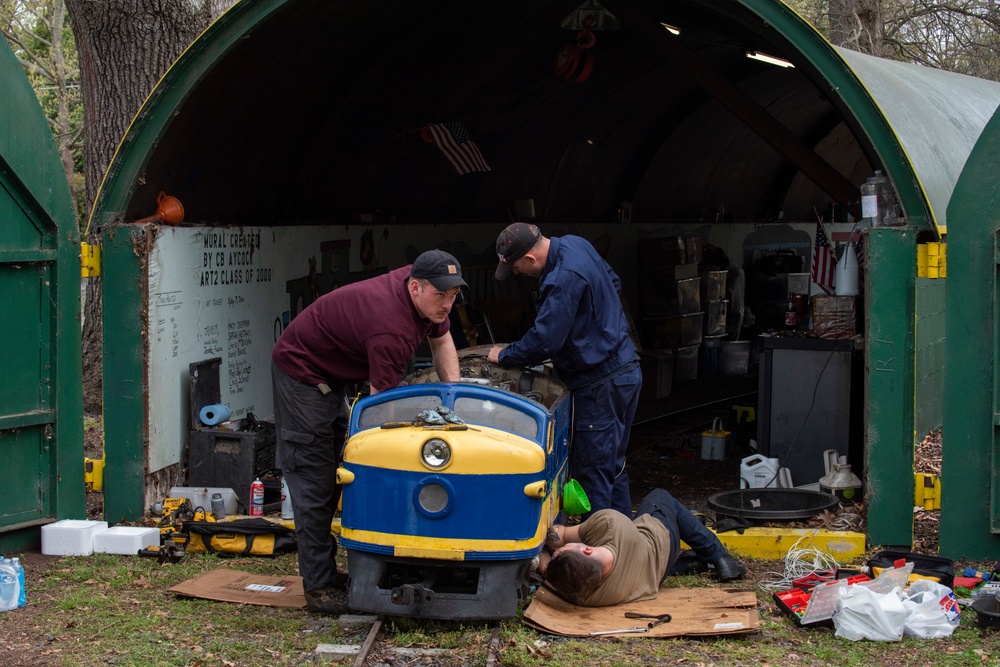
(457, 145)
(822, 260)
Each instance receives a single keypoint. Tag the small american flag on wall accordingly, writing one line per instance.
(455, 142)
(822, 260)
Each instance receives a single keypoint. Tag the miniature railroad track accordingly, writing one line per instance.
(370, 640)
(375, 632)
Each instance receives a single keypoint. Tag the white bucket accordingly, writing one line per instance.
(758, 472)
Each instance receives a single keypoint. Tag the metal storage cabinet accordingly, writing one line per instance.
(804, 402)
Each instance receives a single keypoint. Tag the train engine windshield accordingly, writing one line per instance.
(471, 410)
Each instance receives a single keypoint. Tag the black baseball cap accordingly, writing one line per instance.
(439, 269)
(513, 243)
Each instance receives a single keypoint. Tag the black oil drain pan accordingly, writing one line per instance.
(771, 504)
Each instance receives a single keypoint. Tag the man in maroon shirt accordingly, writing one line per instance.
(367, 330)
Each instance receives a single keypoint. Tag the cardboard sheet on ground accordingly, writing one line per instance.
(694, 611)
(244, 587)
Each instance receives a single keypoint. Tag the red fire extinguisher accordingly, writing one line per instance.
(257, 498)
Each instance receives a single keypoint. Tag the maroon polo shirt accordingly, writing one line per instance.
(364, 330)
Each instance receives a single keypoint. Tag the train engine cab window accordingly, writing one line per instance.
(490, 413)
(399, 410)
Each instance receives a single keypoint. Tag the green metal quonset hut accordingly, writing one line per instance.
(300, 137)
(970, 503)
(41, 402)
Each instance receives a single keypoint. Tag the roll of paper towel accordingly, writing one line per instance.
(213, 415)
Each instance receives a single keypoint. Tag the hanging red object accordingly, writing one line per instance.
(573, 60)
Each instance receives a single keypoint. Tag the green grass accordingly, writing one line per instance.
(116, 610)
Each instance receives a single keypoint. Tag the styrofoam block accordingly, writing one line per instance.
(71, 537)
(125, 539)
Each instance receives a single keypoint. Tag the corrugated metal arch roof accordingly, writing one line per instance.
(287, 111)
(937, 117)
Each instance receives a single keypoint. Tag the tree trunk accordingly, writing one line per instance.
(857, 25)
(124, 47)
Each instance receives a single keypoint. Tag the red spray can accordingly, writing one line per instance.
(257, 498)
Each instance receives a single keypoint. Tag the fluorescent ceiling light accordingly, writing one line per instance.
(772, 60)
(671, 29)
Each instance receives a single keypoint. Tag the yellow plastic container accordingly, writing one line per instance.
(713, 443)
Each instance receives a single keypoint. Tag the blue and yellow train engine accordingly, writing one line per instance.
(449, 490)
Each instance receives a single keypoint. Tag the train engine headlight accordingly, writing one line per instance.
(436, 454)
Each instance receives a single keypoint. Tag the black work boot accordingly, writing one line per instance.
(324, 601)
(688, 562)
(728, 568)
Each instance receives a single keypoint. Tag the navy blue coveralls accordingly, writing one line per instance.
(581, 327)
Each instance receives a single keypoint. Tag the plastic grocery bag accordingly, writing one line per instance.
(864, 614)
(931, 610)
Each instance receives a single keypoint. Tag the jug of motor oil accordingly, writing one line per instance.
(758, 472)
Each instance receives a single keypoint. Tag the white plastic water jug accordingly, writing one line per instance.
(757, 472)
(10, 586)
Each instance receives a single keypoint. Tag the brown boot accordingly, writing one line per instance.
(340, 581)
(324, 601)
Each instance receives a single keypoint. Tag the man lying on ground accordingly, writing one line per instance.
(609, 559)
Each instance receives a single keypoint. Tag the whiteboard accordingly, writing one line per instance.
(227, 293)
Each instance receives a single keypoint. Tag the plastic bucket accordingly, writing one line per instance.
(574, 498)
(734, 357)
(713, 443)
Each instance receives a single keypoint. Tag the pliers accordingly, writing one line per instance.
(658, 618)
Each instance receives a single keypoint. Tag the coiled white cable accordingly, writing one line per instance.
(799, 562)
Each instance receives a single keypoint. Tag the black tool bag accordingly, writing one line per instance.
(239, 537)
(935, 568)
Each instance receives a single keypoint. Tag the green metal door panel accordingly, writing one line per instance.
(124, 373)
(25, 450)
(41, 395)
(890, 292)
(16, 237)
(970, 469)
(21, 333)
(930, 341)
